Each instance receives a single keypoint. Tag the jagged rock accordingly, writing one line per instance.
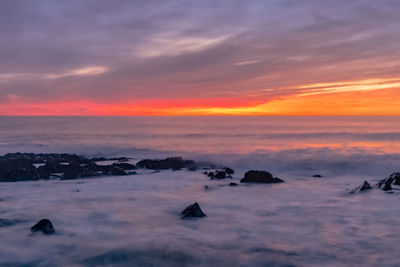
(45, 226)
(254, 176)
(220, 175)
(386, 184)
(364, 187)
(175, 163)
(193, 210)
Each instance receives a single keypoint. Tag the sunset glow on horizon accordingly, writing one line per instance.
(173, 58)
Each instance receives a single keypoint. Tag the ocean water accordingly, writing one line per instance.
(134, 220)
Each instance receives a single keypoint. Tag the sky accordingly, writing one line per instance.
(175, 57)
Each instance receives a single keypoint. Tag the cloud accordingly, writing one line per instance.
(113, 51)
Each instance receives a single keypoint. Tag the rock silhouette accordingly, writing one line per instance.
(253, 176)
(193, 210)
(45, 226)
(364, 187)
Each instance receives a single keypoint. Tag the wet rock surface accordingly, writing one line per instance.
(255, 176)
(193, 210)
(45, 226)
(28, 166)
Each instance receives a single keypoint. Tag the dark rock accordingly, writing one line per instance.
(125, 166)
(229, 170)
(17, 169)
(206, 187)
(386, 187)
(45, 226)
(164, 164)
(233, 184)
(253, 176)
(220, 175)
(364, 187)
(317, 176)
(395, 178)
(192, 169)
(193, 210)
(210, 174)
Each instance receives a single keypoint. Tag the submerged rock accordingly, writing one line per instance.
(364, 187)
(45, 226)
(193, 210)
(254, 176)
(175, 163)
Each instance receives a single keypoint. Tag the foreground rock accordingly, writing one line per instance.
(193, 210)
(45, 226)
(362, 188)
(28, 166)
(260, 177)
(175, 163)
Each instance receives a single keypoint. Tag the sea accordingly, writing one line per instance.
(135, 220)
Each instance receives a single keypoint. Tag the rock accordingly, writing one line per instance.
(125, 166)
(317, 176)
(165, 164)
(193, 210)
(192, 169)
(211, 174)
(229, 170)
(233, 184)
(386, 187)
(206, 187)
(17, 169)
(220, 175)
(253, 176)
(45, 226)
(364, 187)
(395, 178)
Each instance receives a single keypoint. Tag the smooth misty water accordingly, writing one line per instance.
(135, 220)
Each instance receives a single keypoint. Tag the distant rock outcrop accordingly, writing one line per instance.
(175, 163)
(28, 166)
(254, 176)
(193, 210)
